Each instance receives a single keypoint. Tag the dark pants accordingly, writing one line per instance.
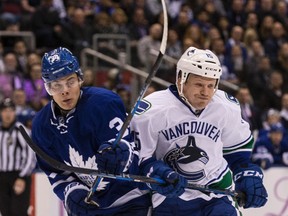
(137, 211)
(197, 207)
(12, 204)
(132, 212)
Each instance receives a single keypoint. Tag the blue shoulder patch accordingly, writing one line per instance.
(231, 98)
(143, 107)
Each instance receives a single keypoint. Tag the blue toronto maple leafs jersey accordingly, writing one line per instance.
(75, 139)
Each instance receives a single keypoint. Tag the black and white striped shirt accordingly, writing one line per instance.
(15, 154)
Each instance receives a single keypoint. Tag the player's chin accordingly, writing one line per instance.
(202, 104)
(68, 104)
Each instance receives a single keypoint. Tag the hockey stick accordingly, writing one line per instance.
(124, 177)
(142, 92)
(148, 80)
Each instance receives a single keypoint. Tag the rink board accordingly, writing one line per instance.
(45, 203)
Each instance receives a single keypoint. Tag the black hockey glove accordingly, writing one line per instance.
(114, 159)
(175, 183)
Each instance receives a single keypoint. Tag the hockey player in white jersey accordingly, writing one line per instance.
(194, 132)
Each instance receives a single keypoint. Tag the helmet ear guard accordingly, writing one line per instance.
(58, 63)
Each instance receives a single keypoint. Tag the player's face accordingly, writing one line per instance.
(68, 91)
(199, 90)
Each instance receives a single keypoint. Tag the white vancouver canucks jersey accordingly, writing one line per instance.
(191, 144)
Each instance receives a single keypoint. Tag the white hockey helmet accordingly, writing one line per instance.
(200, 62)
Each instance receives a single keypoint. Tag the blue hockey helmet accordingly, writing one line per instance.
(58, 63)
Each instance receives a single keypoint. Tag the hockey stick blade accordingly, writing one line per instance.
(125, 177)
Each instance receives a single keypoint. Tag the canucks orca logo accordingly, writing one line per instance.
(188, 161)
(231, 98)
(143, 106)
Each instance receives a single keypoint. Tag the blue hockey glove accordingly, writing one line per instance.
(175, 183)
(249, 180)
(75, 204)
(114, 160)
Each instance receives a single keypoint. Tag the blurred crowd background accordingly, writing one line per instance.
(249, 37)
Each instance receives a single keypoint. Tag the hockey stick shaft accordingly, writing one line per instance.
(150, 76)
(124, 177)
(147, 82)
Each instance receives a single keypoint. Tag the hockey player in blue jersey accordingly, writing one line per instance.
(194, 132)
(76, 123)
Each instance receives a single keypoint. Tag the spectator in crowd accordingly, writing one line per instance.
(46, 25)
(196, 34)
(236, 65)
(259, 78)
(284, 110)
(36, 95)
(251, 6)
(281, 13)
(202, 19)
(249, 111)
(213, 11)
(119, 22)
(236, 38)
(125, 95)
(274, 42)
(146, 43)
(26, 117)
(213, 34)
(182, 24)
(218, 47)
(252, 21)
(32, 58)
(152, 88)
(76, 34)
(266, 25)
(12, 78)
(21, 51)
(272, 148)
(17, 164)
(13, 27)
(255, 53)
(113, 79)
(173, 50)
(223, 26)
(266, 8)
(19, 99)
(250, 35)
(270, 117)
(271, 97)
(89, 77)
(236, 14)
(282, 62)
(138, 28)
(102, 23)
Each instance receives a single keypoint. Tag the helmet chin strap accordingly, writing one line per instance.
(182, 96)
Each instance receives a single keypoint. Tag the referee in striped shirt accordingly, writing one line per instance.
(17, 162)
